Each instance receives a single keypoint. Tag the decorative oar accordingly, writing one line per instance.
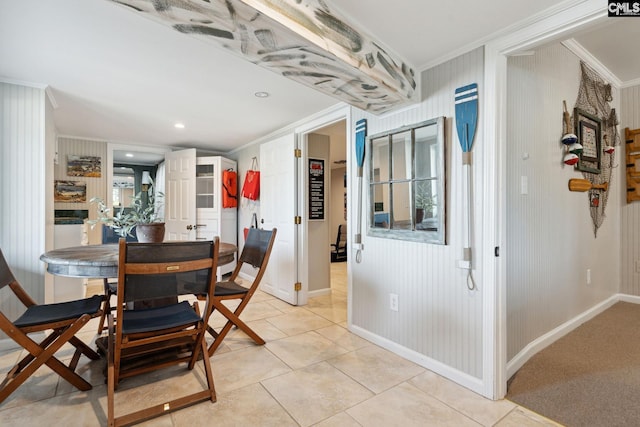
(361, 136)
(466, 100)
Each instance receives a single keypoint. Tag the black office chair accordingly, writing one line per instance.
(339, 248)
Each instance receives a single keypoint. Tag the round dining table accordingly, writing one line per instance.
(101, 261)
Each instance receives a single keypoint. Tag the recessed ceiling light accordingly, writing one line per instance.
(129, 155)
(179, 125)
(262, 94)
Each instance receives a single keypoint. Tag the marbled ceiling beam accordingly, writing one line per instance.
(299, 39)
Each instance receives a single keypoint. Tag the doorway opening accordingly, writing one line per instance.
(328, 284)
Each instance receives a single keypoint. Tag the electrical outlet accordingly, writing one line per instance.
(393, 302)
(588, 276)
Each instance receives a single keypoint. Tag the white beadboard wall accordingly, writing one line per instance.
(438, 319)
(96, 187)
(23, 189)
(550, 242)
(244, 159)
(629, 115)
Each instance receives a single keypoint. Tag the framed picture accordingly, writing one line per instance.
(84, 166)
(70, 191)
(589, 132)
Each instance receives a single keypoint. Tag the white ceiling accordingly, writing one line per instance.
(117, 76)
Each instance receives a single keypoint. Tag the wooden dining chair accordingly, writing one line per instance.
(64, 320)
(147, 339)
(256, 252)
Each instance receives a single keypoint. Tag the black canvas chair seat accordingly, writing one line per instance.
(153, 319)
(61, 322)
(49, 313)
(229, 288)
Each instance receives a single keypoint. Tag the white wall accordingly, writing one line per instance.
(24, 188)
(439, 321)
(629, 115)
(244, 160)
(318, 230)
(550, 242)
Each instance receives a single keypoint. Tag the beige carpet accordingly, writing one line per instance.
(590, 377)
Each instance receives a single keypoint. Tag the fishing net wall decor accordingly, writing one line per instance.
(594, 97)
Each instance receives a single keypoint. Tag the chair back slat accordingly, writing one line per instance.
(161, 270)
(256, 246)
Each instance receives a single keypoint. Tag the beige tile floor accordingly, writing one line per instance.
(311, 372)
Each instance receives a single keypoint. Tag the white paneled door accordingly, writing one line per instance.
(278, 201)
(180, 195)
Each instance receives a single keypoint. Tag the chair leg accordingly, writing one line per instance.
(106, 308)
(111, 375)
(232, 319)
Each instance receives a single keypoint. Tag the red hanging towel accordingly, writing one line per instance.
(230, 185)
(251, 186)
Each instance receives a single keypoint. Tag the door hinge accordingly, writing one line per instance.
(297, 286)
(297, 152)
(297, 220)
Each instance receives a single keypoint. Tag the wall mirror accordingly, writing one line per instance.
(126, 167)
(407, 183)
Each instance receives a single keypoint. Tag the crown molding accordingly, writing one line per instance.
(22, 83)
(586, 56)
(51, 97)
(534, 21)
(631, 83)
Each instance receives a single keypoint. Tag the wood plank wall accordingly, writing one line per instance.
(550, 243)
(23, 188)
(629, 115)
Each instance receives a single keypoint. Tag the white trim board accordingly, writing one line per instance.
(319, 293)
(552, 336)
(455, 375)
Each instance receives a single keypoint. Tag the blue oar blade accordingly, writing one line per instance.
(361, 135)
(466, 99)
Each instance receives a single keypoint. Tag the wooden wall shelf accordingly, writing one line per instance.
(632, 160)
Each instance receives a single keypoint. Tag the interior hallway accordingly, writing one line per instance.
(311, 372)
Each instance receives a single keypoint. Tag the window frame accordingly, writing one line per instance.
(437, 236)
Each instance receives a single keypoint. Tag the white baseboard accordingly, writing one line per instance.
(629, 298)
(465, 380)
(555, 334)
(319, 292)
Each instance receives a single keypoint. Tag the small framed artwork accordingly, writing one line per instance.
(70, 191)
(589, 132)
(90, 166)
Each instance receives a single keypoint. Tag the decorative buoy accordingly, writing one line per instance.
(609, 149)
(568, 138)
(571, 159)
(575, 148)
